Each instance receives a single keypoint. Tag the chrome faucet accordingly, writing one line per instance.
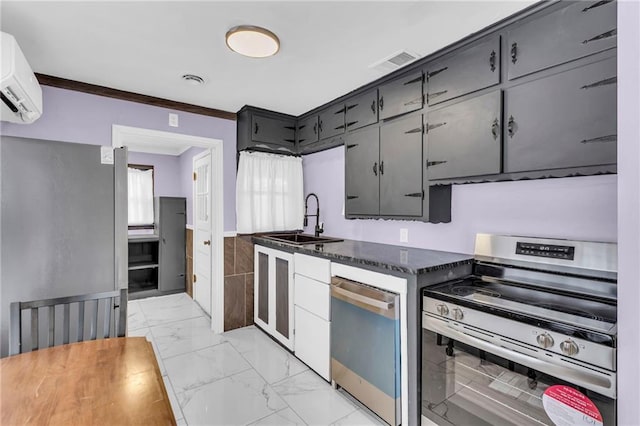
(318, 229)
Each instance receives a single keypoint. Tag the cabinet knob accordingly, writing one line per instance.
(207, 243)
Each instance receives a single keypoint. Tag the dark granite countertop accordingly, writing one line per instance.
(394, 258)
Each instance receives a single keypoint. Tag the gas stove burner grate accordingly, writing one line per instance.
(465, 290)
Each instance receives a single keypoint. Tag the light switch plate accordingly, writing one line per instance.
(106, 155)
(404, 235)
(173, 120)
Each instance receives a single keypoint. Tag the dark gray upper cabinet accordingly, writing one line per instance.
(331, 121)
(307, 131)
(465, 139)
(263, 130)
(362, 110)
(362, 172)
(564, 120)
(401, 95)
(400, 167)
(464, 72)
(573, 32)
(272, 130)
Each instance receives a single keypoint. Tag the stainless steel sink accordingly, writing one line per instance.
(300, 239)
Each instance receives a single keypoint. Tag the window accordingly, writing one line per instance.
(140, 187)
(269, 193)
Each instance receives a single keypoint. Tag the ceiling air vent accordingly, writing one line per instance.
(395, 61)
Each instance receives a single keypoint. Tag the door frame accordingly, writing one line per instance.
(120, 135)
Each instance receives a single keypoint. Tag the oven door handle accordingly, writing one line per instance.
(597, 383)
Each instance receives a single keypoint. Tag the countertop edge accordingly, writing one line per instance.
(306, 249)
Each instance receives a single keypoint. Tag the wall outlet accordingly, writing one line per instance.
(404, 235)
(173, 120)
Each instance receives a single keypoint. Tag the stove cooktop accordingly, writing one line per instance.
(579, 312)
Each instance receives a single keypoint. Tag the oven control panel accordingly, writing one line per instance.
(545, 250)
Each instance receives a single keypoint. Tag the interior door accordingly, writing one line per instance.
(202, 255)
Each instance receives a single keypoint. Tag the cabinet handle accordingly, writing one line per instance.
(255, 128)
(605, 82)
(207, 243)
(495, 129)
(381, 102)
(610, 33)
(416, 194)
(434, 163)
(320, 126)
(351, 106)
(511, 126)
(339, 127)
(598, 4)
(373, 106)
(351, 123)
(492, 60)
(315, 128)
(352, 197)
(514, 52)
(607, 138)
(436, 72)
(375, 168)
(381, 168)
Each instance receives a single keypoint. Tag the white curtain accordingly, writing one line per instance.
(269, 193)
(140, 196)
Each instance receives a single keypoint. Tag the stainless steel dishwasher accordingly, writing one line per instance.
(365, 346)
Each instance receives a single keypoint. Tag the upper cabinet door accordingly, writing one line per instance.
(331, 121)
(307, 131)
(401, 167)
(272, 130)
(464, 139)
(578, 30)
(464, 72)
(362, 171)
(564, 120)
(400, 96)
(362, 110)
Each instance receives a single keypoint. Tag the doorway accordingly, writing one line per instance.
(158, 142)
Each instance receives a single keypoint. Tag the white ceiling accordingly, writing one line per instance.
(326, 47)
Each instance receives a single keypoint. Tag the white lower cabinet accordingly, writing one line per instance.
(312, 341)
(312, 302)
(273, 293)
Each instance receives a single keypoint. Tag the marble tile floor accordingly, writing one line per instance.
(240, 377)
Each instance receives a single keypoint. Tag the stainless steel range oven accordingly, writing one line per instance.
(528, 339)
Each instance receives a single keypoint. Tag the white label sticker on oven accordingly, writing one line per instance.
(567, 406)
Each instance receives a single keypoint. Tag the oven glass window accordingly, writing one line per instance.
(462, 385)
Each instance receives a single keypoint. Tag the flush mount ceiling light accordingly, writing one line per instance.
(252, 41)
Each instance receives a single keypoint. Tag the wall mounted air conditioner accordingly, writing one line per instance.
(20, 92)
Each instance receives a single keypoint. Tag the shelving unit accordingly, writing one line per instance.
(143, 263)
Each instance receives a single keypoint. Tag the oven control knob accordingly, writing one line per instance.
(545, 340)
(457, 314)
(569, 347)
(442, 309)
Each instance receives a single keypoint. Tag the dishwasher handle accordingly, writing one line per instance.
(364, 296)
